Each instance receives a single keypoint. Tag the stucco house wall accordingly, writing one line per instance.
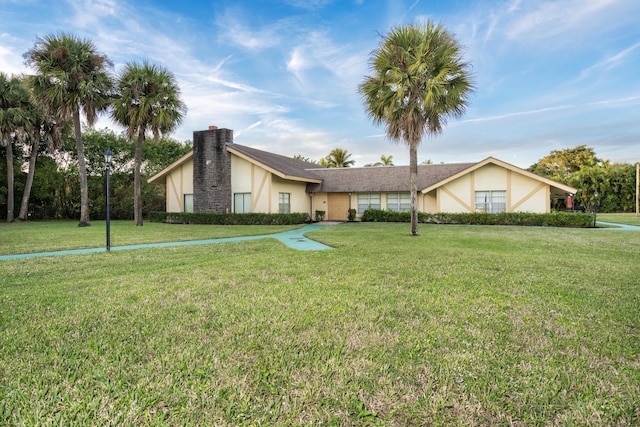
(298, 198)
(265, 187)
(178, 183)
(456, 196)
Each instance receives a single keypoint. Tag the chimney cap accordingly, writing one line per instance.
(213, 127)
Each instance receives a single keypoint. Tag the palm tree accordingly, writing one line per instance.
(384, 161)
(148, 99)
(43, 130)
(71, 77)
(14, 121)
(418, 79)
(337, 158)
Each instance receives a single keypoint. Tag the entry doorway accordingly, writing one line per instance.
(338, 206)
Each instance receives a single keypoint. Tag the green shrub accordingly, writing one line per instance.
(553, 219)
(351, 214)
(229, 219)
(319, 216)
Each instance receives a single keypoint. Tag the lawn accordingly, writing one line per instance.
(620, 218)
(463, 325)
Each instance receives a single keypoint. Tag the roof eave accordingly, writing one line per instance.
(158, 178)
(271, 169)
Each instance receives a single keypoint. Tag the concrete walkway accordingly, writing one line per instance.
(294, 239)
(616, 226)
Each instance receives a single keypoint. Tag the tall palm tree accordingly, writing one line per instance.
(418, 79)
(14, 121)
(71, 77)
(147, 100)
(337, 158)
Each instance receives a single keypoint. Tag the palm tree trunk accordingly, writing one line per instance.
(413, 173)
(82, 167)
(10, 178)
(137, 185)
(24, 206)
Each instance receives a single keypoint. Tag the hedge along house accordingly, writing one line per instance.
(220, 176)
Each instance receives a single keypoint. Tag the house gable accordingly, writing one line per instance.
(524, 191)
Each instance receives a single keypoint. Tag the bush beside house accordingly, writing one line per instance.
(553, 219)
(229, 219)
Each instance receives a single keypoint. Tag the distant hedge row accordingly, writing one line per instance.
(553, 219)
(229, 219)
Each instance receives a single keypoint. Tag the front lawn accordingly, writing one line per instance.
(620, 218)
(463, 325)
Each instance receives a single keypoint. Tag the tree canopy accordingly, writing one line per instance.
(418, 79)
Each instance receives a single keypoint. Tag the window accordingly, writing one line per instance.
(491, 201)
(188, 202)
(368, 201)
(399, 202)
(284, 205)
(242, 202)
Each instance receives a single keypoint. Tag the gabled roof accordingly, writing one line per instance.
(282, 166)
(381, 178)
(362, 179)
(508, 166)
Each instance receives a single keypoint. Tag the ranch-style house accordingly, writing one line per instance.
(220, 176)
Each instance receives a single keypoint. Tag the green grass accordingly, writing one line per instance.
(29, 237)
(464, 325)
(620, 218)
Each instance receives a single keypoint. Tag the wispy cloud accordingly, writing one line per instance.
(516, 114)
(550, 18)
(233, 28)
(609, 62)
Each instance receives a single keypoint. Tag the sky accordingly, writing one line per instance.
(284, 75)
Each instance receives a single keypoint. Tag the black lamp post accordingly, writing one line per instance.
(108, 155)
(595, 208)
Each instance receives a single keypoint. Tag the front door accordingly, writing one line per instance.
(338, 208)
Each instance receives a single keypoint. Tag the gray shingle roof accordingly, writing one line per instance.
(381, 179)
(285, 165)
(344, 180)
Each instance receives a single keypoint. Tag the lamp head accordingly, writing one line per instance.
(108, 156)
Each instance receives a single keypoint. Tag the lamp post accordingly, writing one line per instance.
(595, 208)
(108, 156)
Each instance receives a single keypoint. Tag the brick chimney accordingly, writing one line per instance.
(212, 170)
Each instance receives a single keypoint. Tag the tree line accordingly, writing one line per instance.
(71, 81)
(55, 190)
(579, 167)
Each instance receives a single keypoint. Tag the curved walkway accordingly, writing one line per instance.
(616, 226)
(295, 239)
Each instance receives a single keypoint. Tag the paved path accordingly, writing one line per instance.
(294, 239)
(616, 226)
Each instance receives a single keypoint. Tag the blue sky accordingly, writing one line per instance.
(284, 74)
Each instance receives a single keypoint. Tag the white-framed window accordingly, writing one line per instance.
(188, 202)
(284, 202)
(399, 202)
(368, 201)
(491, 201)
(242, 202)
